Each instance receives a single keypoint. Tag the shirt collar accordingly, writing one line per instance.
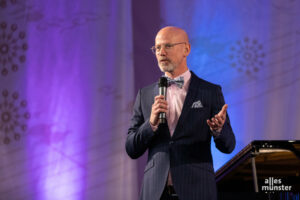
(186, 77)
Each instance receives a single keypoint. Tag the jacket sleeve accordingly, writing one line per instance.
(225, 141)
(140, 132)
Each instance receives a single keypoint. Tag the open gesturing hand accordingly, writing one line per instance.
(216, 123)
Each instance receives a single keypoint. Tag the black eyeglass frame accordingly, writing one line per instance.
(167, 47)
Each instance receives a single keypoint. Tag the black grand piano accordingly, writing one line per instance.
(262, 170)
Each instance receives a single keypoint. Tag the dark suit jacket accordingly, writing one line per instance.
(187, 154)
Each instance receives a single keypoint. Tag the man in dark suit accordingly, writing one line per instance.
(179, 155)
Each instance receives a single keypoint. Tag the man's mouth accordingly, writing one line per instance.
(164, 60)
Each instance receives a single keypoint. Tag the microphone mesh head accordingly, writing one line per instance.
(163, 82)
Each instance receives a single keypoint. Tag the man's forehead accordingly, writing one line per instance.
(171, 34)
(162, 40)
(166, 38)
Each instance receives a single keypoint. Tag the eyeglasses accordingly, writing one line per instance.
(168, 46)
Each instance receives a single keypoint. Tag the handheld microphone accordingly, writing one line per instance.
(162, 87)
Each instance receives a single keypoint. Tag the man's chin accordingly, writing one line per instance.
(166, 68)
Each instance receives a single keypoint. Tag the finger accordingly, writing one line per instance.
(161, 101)
(159, 97)
(223, 111)
(157, 106)
(161, 105)
(220, 120)
(159, 110)
(210, 124)
(217, 122)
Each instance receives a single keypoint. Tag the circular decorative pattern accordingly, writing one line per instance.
(247, 56)
(12, 48)
(13, 116)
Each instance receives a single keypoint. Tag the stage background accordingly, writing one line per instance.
(70, 71)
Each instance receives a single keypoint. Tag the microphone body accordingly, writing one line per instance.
(162, 87)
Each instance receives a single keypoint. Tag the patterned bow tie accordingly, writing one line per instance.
(178, 81)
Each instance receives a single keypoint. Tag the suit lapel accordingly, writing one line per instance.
(189, 99)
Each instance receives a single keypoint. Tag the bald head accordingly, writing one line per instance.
(172, 48)
(172, 33)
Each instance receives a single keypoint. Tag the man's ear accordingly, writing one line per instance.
(187, 50)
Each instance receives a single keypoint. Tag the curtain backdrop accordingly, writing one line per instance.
(67, 87)
(70, 71)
